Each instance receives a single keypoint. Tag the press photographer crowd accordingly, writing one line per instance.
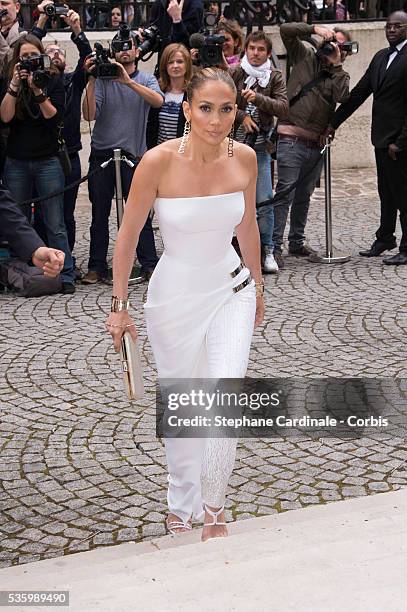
(286, 123)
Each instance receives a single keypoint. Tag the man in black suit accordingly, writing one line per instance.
(386, 79)
(24, 240)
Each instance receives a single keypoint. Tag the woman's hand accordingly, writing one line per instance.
(15, 81)
(117, 323)
(259, 311)
(34, 88)
(23, 74)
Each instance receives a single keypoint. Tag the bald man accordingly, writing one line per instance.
(386, 79)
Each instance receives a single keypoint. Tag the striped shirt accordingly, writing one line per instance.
(168, 116)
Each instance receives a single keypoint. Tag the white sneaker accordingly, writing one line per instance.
(269, 263)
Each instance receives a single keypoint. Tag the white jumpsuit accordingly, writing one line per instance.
(199, 327)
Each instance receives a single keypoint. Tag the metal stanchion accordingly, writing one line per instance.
(118, 158)
(329, 256)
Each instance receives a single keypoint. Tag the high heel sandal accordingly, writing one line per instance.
(214, 515)
(174, 527)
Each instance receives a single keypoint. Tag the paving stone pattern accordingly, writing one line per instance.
(80, 466)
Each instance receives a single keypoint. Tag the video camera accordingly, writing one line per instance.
(122, 41)
(38, 66)
(53, 10)
(151, 43)
(209, 45)
(350, 48)
(103, 67)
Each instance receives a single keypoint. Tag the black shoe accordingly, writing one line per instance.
(377, 249)
(144, 276)
(78, 274)
(67, 288)
(278, 256)
(303, 251)
(397, 260)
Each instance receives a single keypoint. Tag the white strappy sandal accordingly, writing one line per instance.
(174, 526)
(214, 515)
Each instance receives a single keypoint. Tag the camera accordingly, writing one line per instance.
(103, 67)
(348, 47)
(151, 43)
(122, 41)
(211, 52)
(37, 66)
(53, 10)
(209, 47)
(209, 44)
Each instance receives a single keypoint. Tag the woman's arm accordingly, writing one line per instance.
(8, 108)
(142, 195)
(247, 231)
(46, 107)
(8, 104)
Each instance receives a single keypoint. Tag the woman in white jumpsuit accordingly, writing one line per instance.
(202, 302)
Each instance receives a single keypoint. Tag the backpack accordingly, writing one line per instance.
(26, 280)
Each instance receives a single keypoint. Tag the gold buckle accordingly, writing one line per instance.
(242, 285)
(236, 272)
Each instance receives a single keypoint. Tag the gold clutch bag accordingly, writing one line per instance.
(131, 366)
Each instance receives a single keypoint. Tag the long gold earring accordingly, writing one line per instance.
(185, 137)
(230, 143)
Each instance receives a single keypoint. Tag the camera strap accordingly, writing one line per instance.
(310, 85)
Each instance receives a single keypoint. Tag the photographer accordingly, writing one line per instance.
(261, 96)
(233, 44)
(33, 108)
(74, 85)
(317, 83)
(177, 20)
(120, 106)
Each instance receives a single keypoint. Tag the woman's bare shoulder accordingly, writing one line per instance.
(161, 154)
(244, 153)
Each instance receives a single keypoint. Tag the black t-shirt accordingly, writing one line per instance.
(33, 139)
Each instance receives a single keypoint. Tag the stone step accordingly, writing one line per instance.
(343, 555)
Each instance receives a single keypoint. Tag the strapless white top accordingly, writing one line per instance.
(192, 279)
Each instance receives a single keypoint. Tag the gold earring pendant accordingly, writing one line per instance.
(185, 137)
(230, 143)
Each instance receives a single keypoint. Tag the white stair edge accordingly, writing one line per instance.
(331, 544)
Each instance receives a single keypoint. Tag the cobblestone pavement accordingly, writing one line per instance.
(80, 467)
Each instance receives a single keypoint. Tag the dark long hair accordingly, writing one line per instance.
(25, 39)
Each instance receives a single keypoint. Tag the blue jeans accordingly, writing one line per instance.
(70, 199)
(264, 191)
(294, 160)
(24, 178)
